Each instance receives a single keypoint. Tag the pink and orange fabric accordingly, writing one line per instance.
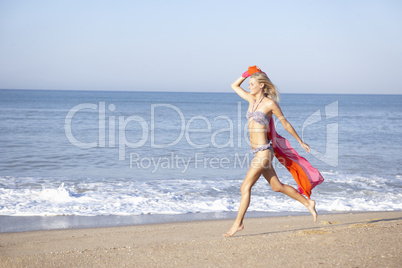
(251, 70)
(306, 176)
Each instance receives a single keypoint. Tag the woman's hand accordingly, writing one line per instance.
(305, 146)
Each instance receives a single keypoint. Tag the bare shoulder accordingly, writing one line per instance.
(269, 104)
(271, 107)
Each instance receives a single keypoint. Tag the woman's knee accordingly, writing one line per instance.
(245, 188)
(277, 187)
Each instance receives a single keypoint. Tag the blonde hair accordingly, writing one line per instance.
(269, 88)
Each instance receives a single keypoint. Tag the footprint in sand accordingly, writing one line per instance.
(312, 232)
(377, 219)
(329, 222)
(361, 225)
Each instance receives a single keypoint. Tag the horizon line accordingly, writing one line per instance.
(156, 91)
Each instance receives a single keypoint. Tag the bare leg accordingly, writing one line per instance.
(277, 186)
(253, 174)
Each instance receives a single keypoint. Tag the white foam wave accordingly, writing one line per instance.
(49, 196)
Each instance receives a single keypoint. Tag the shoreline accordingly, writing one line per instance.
(369, 239)
(17, 224)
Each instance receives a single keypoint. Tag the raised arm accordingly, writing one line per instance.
(236, 84)
(240, 91)
(276, 110)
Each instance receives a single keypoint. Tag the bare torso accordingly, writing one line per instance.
(257, 131)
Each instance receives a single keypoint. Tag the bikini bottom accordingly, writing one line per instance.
(267, 146)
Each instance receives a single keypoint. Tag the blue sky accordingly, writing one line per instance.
(201, 46)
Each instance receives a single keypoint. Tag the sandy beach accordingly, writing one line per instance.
(347, 240)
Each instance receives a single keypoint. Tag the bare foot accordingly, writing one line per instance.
(235, 228)
(311, 208)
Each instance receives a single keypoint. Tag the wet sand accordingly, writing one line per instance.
(351, 240)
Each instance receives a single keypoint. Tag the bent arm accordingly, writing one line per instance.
(289, 128)
(240, 91)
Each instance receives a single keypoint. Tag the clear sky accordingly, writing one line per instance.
(311, 46)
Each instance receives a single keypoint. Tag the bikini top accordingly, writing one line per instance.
(258, 116)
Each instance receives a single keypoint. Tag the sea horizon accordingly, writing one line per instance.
(207, 92)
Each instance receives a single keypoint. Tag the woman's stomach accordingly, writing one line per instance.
(258, 137)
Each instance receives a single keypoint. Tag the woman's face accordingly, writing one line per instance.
(254, 86)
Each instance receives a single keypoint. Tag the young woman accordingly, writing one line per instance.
(265, 143)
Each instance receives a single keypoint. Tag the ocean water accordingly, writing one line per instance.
(85, 153)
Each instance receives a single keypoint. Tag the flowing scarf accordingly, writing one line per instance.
(306, 176)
